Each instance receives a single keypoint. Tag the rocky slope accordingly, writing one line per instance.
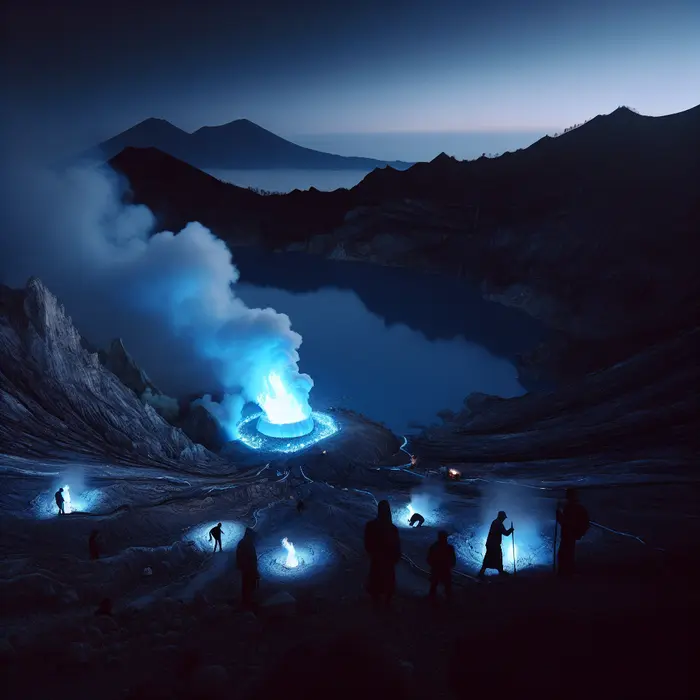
(55, 396)
(640, 414)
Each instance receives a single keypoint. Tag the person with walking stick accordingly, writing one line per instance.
(494, 554)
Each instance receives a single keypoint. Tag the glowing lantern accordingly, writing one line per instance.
(291, 562)
(66, 500)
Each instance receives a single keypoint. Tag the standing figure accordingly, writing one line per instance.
(384, 549)
(215, 534)
(247, 564)
(494, 555)
(416, 520)
(574, 523)
(60, 501)
(94, 544)
(301, 506)
(441, 559)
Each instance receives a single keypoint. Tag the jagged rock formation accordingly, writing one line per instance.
(55, 396)
(120, 363)
(202, 427)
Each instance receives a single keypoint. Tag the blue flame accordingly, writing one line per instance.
(311, 559)
(247, 433)
(279, 404)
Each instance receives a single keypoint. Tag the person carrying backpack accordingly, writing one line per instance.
(573, 521)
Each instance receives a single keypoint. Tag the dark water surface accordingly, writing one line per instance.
(392, 344)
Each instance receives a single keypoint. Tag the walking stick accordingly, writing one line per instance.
(512, 534)
(554, 552)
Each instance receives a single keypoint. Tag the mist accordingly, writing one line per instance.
(170, 297)
(427, 498)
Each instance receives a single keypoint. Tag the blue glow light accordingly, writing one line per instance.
(285, 430)
(247, 433)
(532, 549)
(428, 510)
(44, 506)
(281, 406)
(311, 557)
(231, 534)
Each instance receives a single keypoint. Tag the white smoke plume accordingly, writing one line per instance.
(170, 297)
(227, 411)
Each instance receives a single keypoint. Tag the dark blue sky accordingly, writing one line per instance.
(79, 71)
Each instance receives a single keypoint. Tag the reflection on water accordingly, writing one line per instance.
(390, 373)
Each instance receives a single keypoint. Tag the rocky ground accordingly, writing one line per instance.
(623, 627)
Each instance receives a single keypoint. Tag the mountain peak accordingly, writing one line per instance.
(239, 144)
(443, 158)
(237, 126)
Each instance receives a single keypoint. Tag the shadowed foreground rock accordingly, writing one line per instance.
(57, 397)
(350, 666)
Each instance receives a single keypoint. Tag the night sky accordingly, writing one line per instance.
(76, 72)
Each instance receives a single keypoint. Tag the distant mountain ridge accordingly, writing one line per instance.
(238, 145)
(592, 232)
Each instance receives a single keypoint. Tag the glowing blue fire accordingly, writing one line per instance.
(291, 562)
(279, 405)
(248, 434)
(312, 558)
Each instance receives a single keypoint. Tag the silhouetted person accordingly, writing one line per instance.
(94, 544)
(416, 520)
(247, 564)
(301, 506)
(384, 549)
(494, 555)
(441, 559)
(105, 607)
(60, 501)
(215, 534)
(573, 521)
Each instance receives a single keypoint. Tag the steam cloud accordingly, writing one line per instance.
(170, 297)
(427, 498)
